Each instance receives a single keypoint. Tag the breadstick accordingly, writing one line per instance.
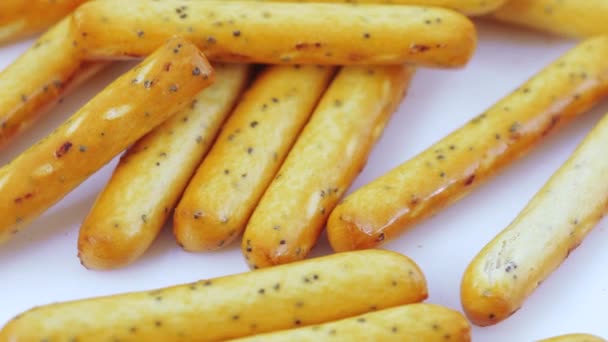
(300, 294)
(468, 7)
(254, 142)
(570, 18)
(152, 175)
(574, 338)
(413, 322)
(130, 107)
(273, 33)
(555, 222)
(452, 167)
(38, 78)
(327, 157)
(19, 19)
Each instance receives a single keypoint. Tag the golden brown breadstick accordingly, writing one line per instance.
(254, 142)
(130, 107)
(468, 7)
(452, 167)
(19, 18)
(413, 322)
(570, 18)
(152, 175)
(38, 78)
(329, 154)
(247, 31)
(555, 222)
(299, 294)
(574, 338)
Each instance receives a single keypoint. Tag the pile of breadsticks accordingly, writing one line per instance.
(250, 120)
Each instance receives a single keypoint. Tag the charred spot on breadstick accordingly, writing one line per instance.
(63, 149)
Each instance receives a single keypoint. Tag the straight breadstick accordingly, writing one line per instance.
(19, 19)
(413, 322)
(301, 294)
(468, 7)
(451, 168)
(570, 18)
(152, 175)
(574, 338)
(272, 33)
(555, 222)
(254, 142)
(130, 107)
(327, 157)
(38, 78)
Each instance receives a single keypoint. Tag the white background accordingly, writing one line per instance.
(40, 265)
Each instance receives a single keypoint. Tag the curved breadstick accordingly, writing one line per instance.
(299, 294)
(130, 107)
(38, 78)
(19, 19)
(254, 142)
(152, 175)
(570, 18)
(272, 33)
(555, 222)
(574, 338)
(327, 157)
(413, 322)
(452, 167)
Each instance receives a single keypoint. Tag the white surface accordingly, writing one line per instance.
(40, 265)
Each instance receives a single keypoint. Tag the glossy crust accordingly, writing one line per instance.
(407, 323)
(246, 156)
(574, 338)
(452, 167)
(468, 7)
(553, 224)
(275, 33)
(299, 294)
(38, 78)
(327, 157)
(152, 175)
(19, 18)
(130, 107)
(570, 18)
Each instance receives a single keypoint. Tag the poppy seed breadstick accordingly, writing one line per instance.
(468, 7)
(153, 173)
(299, 294)
(452, 167)
(122, 113)
(412, 322)
(570, 18)
(555, 222)
(327, 157)
(37, 79)
(246, 156)
(279, 33)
